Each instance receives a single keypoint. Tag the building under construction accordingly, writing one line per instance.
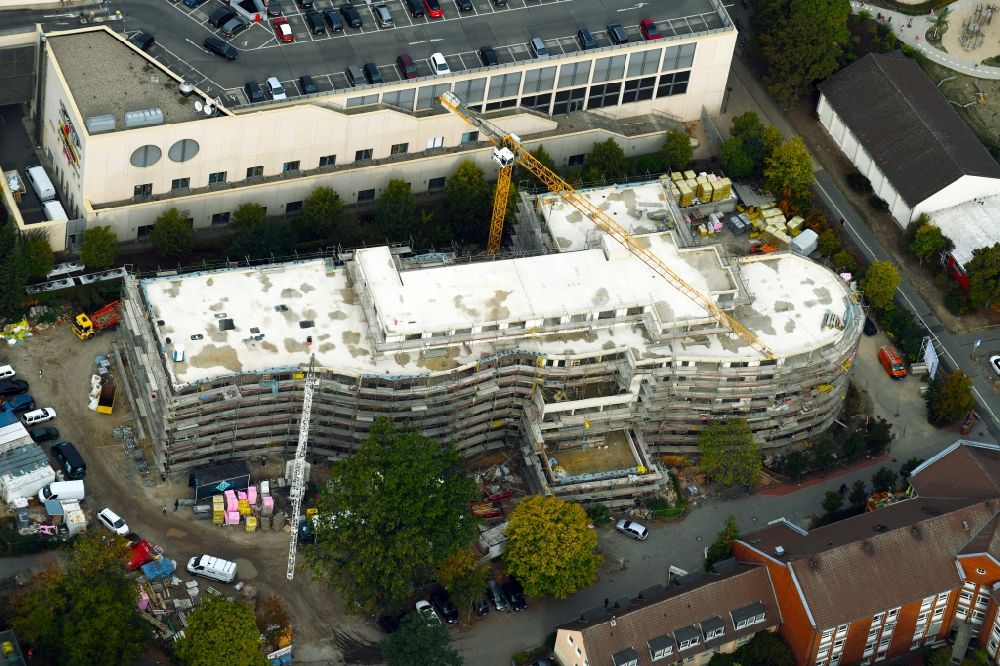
(571, 354)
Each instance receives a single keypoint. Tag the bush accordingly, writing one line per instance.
(878, 203)
(957, 301)
(844, 261)
(858, 182)
(598, 514)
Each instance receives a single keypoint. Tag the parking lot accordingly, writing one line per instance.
(180, 30)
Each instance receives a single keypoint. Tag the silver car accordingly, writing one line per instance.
(632, 529)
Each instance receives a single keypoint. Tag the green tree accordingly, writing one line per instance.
(983, 271)
(464, 578)
(606, 161)
(949, 398)
(859, 494)
(878, 435)
(676, 151)
(396, 214)
(262, 239)
(13, 274)
(172, 236)
(36, 253)
(99, 248)
(827, 243)
(395, 511)
(910, 465)
(550, 547)
(766, 648)
(928, 239)
(788, 171)
(542, 156)
(832, 501)
(884, 480)
(824, 453)
(879, 284)
(736, 162)
(795, 464)
(468, 203)
(728, 453)
(220, 631)
(801, 41)
(940, 21)
(722, 548)
(598, 514)
(248, 214)
(418, 643)
(323, 218)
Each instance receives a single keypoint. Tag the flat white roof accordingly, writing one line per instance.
(270, 308)
(970, 226)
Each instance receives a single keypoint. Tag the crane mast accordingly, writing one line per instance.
(299, 465)
(508, 151)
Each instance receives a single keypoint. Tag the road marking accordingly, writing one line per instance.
(638, 5)
(70, 15)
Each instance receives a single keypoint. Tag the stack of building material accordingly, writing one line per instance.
(676, 176)
(705, 188)
(251, 524)
(218, 509)
(690, 175)
(252, 495)
(723, 189)
(267, 505)
(685, 195)
(74, 517)
(715, 223)
(794, 225)
(232, 517)
(244, 508)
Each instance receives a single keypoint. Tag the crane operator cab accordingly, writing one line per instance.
(503, 156)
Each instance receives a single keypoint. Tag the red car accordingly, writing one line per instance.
(433, 8)
(406, 66)
(283, 30)
(649, 30)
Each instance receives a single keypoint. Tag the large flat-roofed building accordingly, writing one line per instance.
(582, 361)
(123, 144)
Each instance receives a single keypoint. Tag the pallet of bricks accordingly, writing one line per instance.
(689, 188)
(235, 507)
(772, 227)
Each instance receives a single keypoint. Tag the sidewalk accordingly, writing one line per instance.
(791, 487)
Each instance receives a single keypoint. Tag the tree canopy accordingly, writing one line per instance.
(257, 236)
(879, 284)
(172, 236)
(391, 514)
(884, 480)
(83, 614)
(418, 643)
(323, 218)
(949, 398)
(928, 239)
(99, 248)
(750, 143)
(722, 548)
(469, 202)
(13, 274)
(606, 161)
(396, 213)
(550, 547)
(983, 271)
(728, 452)
(464, 578)
(542, 156)
(676, 151)
(37, 253)
(220, 631)
(788, 171)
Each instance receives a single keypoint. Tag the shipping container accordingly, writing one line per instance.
(217, 479)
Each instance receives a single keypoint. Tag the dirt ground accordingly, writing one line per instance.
(58, 367)
(951, 39)
(984, 117)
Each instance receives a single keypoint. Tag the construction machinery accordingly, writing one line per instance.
(299, 465)
(87, 326)
(508, 151)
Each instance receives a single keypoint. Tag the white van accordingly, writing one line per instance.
(6, 371)
(42, 185)
(38, 416)
(62, 491)
(54, 211)
(215, 568)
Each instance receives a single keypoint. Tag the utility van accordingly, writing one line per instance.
(892, 361)
(62, 491)
(70, 460)
(41, 184)
(54, 211)
(215, 568)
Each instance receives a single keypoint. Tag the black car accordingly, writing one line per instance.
(307, 85)
(273, 8)
(617, 33)
(489, 56)
(315, 22)
(869, 327)
(43, 434)
(220, 16)
(445, 606)
(254, 92)
(586, 39)
(305, 4)
(515, 595)
(351, 15)
(333, 20)
(142, 40)
(221, 48)
(416, 8)
(9, 387)
(464, 5)
(371, 72)
(481, 607)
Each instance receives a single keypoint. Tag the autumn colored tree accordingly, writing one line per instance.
(550, 547)
(949, 398)
(983, 271)
(728, 452)
(465, 579)
(788, 171)
(220, 631)
(928, 240)
(879, 284)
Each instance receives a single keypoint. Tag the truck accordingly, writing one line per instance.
(87, 326)
(106, 400)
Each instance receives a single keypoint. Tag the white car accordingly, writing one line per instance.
(6, 371)
(113, 521)
(994, 363)
(427, 612)
(632, 529)
(439, 65)
(274, 87)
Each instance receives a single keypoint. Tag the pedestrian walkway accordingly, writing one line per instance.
(912, 29)
(789, 488)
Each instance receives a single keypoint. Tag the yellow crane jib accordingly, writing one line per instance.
(508, 151)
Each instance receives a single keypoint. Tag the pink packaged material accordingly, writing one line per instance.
(241, 495)
(267, 505)
(232, 517)
(143, 600)
(252, 495)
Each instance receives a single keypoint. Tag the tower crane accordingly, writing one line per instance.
(299, 465)
(508, 151)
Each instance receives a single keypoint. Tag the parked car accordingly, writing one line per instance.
(283, 30)
(538, 48)
(445, 606)
(869, 328)
(995, 364)
(9, 387)
(220, 16)
(632, 529)
(617, 33)
(481, 607)
(464, 5)
(43, 434)
(333, 20)
(6, 371)
(221, 48)
(649, 30)
(314, 21)
(439, 65)
(305, 4)
(891, 360)
(307, 85)
(193, 3)
(113, 521)
(351, 15)
(586, 39)
(433, 8)
(407, 68)
(69, 460)
(254, 92)
(515, 595)
(275, 89)
(372, 75)
(499, 3)
(19, 403)
(427, 612)
(489, 56)
(142, 40)
(36, 416)
(234, 26)
(273, 8)
(215, 568)
(416, 7)
(495, 595)
(382, 15)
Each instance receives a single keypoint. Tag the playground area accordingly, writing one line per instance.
(976, 100)
(971, 33)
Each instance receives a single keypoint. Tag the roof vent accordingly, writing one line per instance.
(226, 325)
(868, 547)
(915, 531)
(779, 551)
(813, 563)
(965, 524)
(186, 88)
(307, 323)
(879, 527)
(143, 117)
